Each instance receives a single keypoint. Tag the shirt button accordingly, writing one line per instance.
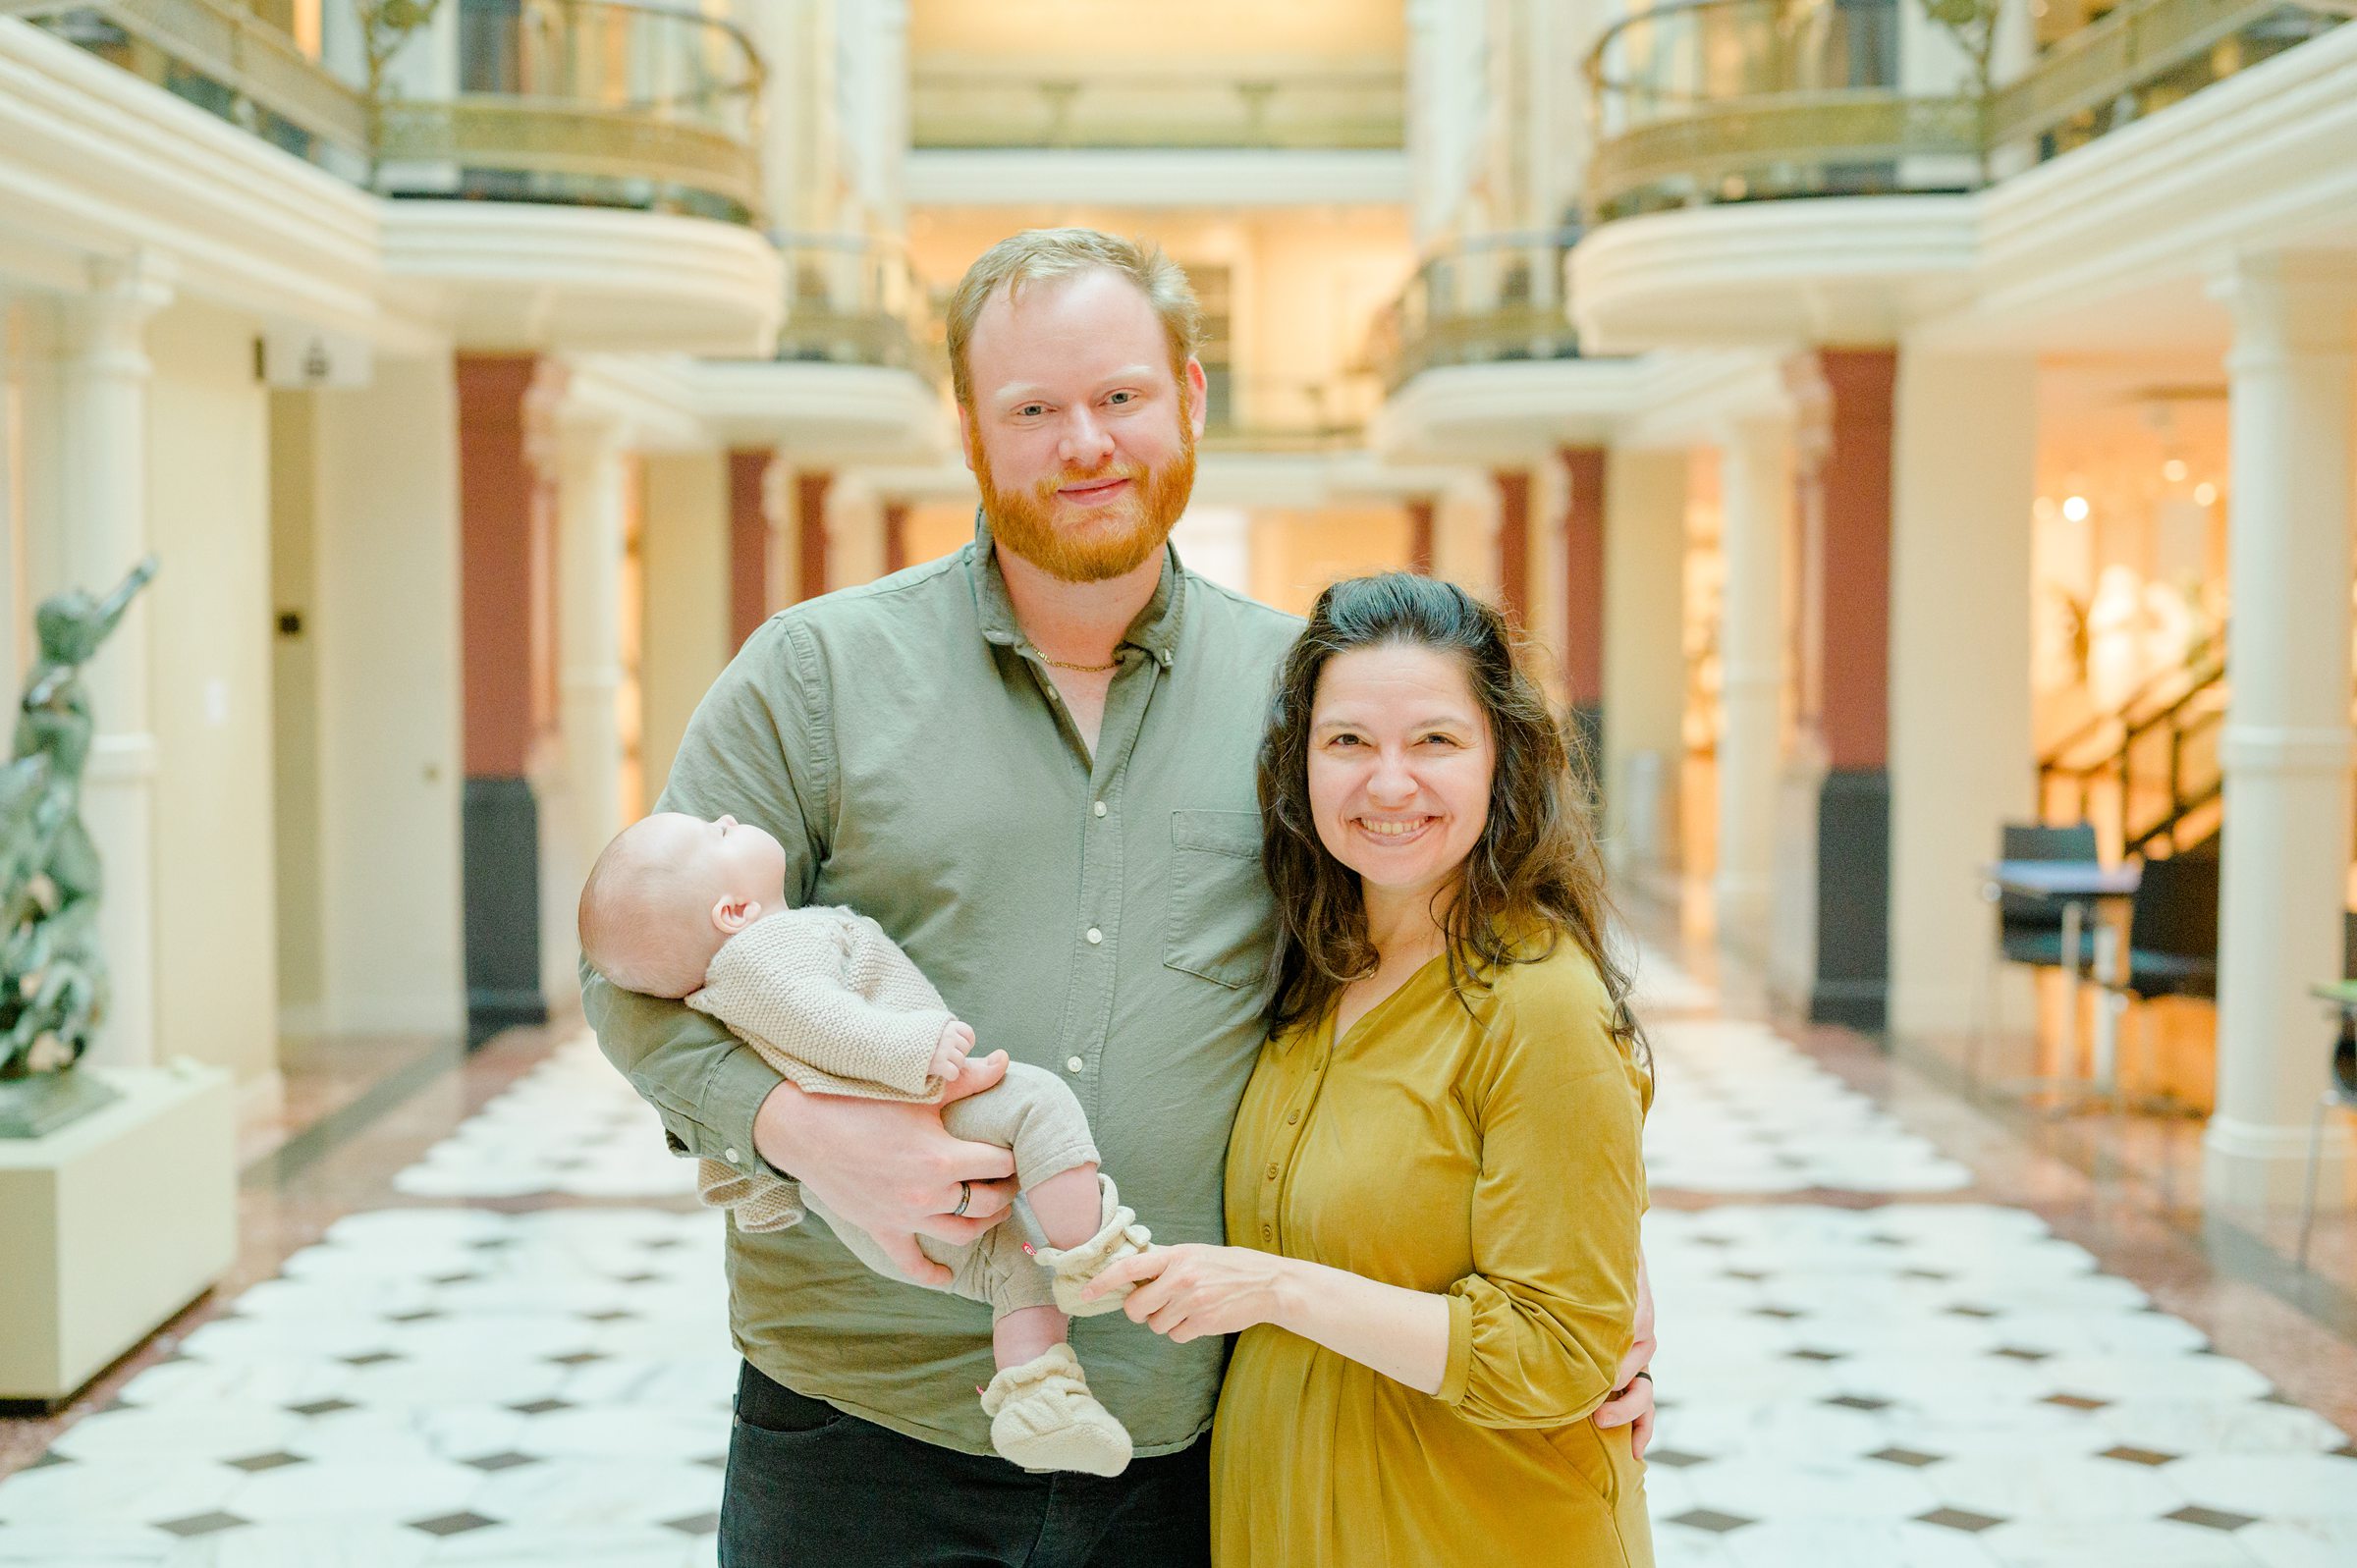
(1272, 1172)
(1291, 1116)
(729, 1154)
(1268, 1232)
(1095, 936)
(1100, 808)
(1166, 657)
(1075, 1064)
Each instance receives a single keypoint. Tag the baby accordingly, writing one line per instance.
(676, 907)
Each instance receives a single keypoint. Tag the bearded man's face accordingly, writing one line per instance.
(1081, 433)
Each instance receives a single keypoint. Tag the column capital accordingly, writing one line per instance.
(111, 318)
(2300, 299)
(137, 285)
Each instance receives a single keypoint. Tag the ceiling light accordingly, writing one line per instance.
(2076, 507)
(2205, 493)
(2173, 470)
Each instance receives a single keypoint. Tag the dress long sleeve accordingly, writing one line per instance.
(1537, 1330)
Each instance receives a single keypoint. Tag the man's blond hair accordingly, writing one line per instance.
(1038, 255)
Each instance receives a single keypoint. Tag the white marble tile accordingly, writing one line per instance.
(394, 1492)
(2129, 1542)
(2301, 1542)
(310, 1544)
(2306, 1486)
(1854, 1544)
(2051, 1486)
(1808, 1488)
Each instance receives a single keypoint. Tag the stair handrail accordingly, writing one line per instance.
(2204, 672)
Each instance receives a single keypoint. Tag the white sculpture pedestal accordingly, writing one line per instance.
(112, 1224)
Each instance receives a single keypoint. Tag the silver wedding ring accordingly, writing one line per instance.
(966, 1195)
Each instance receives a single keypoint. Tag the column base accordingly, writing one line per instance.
(501, 824)
(2259, 1166)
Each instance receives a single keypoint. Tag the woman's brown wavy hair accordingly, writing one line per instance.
(1535, 861)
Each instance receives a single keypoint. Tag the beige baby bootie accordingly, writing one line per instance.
(1043, 1417)
(1120, 1236)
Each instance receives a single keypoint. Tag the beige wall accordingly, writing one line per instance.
(1644, 661)
(215, 896)
(1298, 552)
(684, 550)
(1061, 29)
(294, 706)
(388, 640)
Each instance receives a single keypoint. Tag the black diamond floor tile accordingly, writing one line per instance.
(1675, 1458)
(1972, 1312)
(2075, 1401)
(1712, 1520)
(1913, 1459)
(1970, 1523)
(422, 1314)
(541, 1407)
(255, 1463)
(322, 1407)
(694, 1525)
(2138, 1456)
(2209, 1518)
(456, 1524)
(52, 1457)
(1785, 1313)
(1859, 1402)
(211, 1524)
(369, 1359)
(2018, 1353)
(491, 1464)
(1819, 1355)
(579, 1358)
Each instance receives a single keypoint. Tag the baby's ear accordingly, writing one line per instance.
(733, 915)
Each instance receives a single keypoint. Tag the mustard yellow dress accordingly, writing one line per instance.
(1491, 1157)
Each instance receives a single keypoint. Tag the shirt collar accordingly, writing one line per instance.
(1156, 628)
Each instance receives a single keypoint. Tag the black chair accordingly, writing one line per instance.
(2172, 931)
(2029, 927)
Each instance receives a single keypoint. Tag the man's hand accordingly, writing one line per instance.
(1631, 1404)
(886, 1165)
(949, 1057)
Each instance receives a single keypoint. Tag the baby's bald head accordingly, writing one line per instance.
(669, 890)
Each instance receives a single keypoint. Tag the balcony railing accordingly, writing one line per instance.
(1490, 298)
(1740, 100)
(595, 102)
(853, 301)
(1284, 105)
(218, 55)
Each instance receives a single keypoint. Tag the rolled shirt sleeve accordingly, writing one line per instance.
(757, 749)
(1538, 1330)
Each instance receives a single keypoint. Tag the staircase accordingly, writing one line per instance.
(2147, 776)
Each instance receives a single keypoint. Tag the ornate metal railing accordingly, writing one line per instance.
(1276, 413)
(853, 301)
(218, 55)
(598, 102)
(1488, 298)
(1288, 104)
(1737, 100)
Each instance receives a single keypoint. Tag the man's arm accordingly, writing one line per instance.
(760, 747)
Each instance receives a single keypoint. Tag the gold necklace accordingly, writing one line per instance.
(1090, 670)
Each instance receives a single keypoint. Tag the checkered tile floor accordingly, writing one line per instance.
(1943, 1384)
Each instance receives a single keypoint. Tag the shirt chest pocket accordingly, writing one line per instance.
(1219, 922)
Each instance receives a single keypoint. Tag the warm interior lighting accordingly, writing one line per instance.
(2076, 507)
(2173, 470)
(2205, 493)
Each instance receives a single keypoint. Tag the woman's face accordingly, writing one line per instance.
(1400, 764)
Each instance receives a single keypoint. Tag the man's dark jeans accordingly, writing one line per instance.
(810, 1486)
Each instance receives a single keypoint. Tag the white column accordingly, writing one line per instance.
(1965, 475)
(1755, 487)
(2285, 752)
(106, 489)
(582, 804)
(1644, 654)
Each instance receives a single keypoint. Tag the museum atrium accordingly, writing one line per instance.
(1872, 411)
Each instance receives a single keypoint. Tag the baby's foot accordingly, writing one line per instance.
(1043, 1417)
(1118, 1236)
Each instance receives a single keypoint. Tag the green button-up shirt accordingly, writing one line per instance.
(1104, 918)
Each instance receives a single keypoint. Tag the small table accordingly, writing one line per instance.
(2080, 886)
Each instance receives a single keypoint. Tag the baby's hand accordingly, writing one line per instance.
(949, 1057)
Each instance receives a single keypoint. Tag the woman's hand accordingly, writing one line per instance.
(1187, 1293)
(1631, 1403)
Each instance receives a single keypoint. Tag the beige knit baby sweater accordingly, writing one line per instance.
(831, 1002)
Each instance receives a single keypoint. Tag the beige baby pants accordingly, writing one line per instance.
(1034, 1113)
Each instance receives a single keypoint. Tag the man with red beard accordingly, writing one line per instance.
(1032, 763)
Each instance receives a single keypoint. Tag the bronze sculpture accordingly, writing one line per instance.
(53, 986)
